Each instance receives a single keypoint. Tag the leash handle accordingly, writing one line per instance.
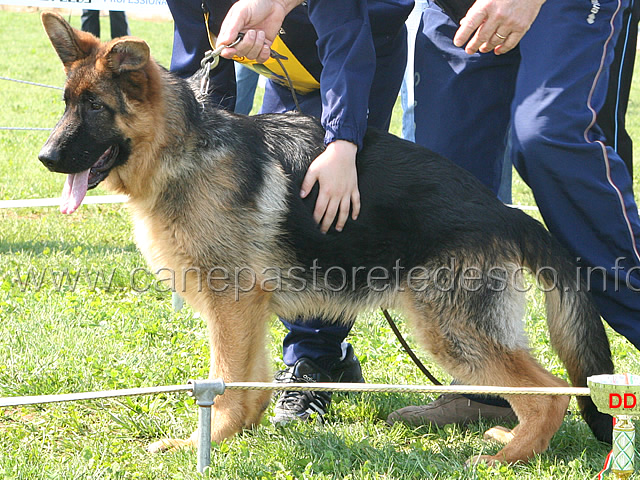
(212, 57)
(218, 50)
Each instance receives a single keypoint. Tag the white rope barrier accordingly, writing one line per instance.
(18, 204)
(55, 202)
(25, 129)
(74, 397)
(107, 199)
(48, 202)
(318, 387)
(30, 83)
(205, 392)
(381, 387)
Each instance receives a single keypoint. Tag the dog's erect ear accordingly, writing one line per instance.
(127, 54)
(70, 44)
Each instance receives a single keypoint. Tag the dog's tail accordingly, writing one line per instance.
(576, 330)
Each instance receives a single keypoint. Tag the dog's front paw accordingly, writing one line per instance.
(167, 444)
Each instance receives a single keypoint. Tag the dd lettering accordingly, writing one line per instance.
(628, 400)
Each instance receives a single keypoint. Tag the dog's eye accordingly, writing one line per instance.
(96, 106)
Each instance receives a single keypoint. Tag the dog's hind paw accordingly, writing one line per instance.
(167, 444)
(499, 434)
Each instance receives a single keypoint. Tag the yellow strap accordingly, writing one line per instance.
(302, 80)
(210, 36)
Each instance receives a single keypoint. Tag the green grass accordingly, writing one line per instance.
(92, 331)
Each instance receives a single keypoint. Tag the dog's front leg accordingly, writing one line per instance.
(237, 337)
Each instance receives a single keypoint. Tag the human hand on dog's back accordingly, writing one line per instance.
(335, 172)
(260, 21)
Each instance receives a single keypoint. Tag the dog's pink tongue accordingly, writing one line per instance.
(75, 188)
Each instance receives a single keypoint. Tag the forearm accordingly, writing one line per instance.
(347, 53)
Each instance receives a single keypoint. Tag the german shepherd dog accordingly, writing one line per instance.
(214, 197)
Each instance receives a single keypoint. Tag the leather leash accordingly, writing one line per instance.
(408, 349)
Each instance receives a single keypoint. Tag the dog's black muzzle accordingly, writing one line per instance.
(50, 157)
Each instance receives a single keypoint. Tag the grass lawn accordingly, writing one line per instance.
(70, 321)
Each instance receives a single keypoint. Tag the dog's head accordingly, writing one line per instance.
(104, 82)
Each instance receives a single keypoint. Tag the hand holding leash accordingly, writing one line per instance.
(212, 57)
(261, 20)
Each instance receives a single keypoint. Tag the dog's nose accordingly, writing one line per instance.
(50, 157)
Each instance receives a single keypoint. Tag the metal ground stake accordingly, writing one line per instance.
(205, 391)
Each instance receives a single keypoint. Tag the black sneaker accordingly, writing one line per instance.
(304, 405)
(294, 405)
(347, 370)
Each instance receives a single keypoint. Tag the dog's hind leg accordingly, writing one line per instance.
(479, 348)
(539, 416)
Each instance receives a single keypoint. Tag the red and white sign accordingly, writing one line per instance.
(627, 400)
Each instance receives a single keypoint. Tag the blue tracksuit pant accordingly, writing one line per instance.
(462, 101)
(555, 84)
(581, 184)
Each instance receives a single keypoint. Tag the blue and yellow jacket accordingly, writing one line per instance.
(330, 48)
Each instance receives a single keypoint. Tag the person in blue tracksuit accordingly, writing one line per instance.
(581, 184)
(563, 92)
(348, 74)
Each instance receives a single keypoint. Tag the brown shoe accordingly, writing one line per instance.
(450, 408)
